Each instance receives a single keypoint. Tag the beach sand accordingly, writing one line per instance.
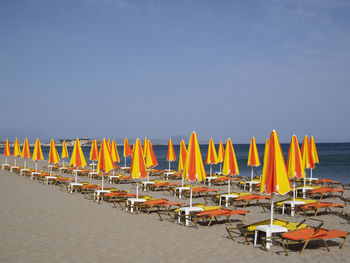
(41, 223)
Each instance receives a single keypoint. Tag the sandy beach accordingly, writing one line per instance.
(42, 223)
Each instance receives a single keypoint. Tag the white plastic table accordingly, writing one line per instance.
(226, 198)
(91, 175)
(292, 205)
(132, 201)
(250, 184)
(180, 189)
(98, 192)
(23, 170)
(269, 230)
(49, 178)
(167, 175)
(73, 185)
(145, 183)
(4, 165)
(13, 168)
(303, 189)
(210, 178)
(62, 169)
(187, 211)
(111, 177)
(33, 174)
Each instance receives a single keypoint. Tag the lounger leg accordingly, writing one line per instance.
(302, 250)
(345, 239)
(324, 241)
(245, 215)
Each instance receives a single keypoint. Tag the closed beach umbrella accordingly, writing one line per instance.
(275, 179)
(221, 154)
(53, 154)
(211, 157)
(114, 153)
(25, 151)
(171, 157)
(145, 145)
(150, 159)
(294, 163)
(127, 150)
(37, 153)
(194, 167)
(109, 145)
(308, 162)
(230, 166)
(7, 150)
(182, 156)
(105, 162)
(94, 151)
(64, 153)
(263, 174)
(314, 154)
(16, 150)
(77, 159)
(138, 166)
(253, 157)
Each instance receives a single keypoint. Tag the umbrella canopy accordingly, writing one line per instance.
(114, 153)
(171, 157)
(77, 159)
(221, 154)
(211, 157)
(138, 166)
(127, 150)
(37, 153)
(253, 157)
(25, 149)
(313, 150)
(263, 174)
(109, 145)
(308, 162)
(194, 167)
(105, 162)
(94, 151)
(182, 156)
(230, 166)
(16, 150)
(64, 150)
(7, 150)
(53, 154)
(151, 160)
(145, 145)
(276, 178)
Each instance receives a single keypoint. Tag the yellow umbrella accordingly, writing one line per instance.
(211, 157)
(171, 157)
(263, 174)
(294, 165)
(313, 151)
(194, 167)
(308, 162)
(276, 178)
(77, 159)
(221, 154)
(16, 150)
(145, 145)
(105, 162)
(53, 154)
(114, 152)
(127, 150)
(7, 150)
(150, 159)
(64, 151)
(230, 166)
(37, 154)
(94, 151)
(253, 157)
(25, 151)
(138, 166)
(182, 159)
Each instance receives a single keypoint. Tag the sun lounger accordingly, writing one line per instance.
(214, 214)
(325, 190)
(245, 200)
(318, 205)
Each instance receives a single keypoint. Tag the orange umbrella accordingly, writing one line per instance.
(138, 166)
(114, 153)
(182, 159)
(37, 154)
(25, 151)
(77, 160)
(221, 154)
(276, 178)
(230, 166)
(294, 164)
(53, 154)
(308, 162)
(105, 162)
(16, 150)
(253, 157)
(127, 150)
(7, 150)
(266, 153)
(94, 154)
(64, 151)
(171, 157)
(194, 167)
(145, 145)
(314, 154)
(150, 159)
(211, 157)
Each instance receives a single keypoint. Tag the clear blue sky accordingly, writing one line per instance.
(115, 68)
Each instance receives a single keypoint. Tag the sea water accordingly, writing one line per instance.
(334, 159)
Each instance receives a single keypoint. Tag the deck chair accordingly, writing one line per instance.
(214, 214)
(319, 205)
(247, 199)
(322, 191)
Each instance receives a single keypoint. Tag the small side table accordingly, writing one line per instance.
(269, 230)
(187, 211)
(226, 198)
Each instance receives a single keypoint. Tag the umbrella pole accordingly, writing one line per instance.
(211, 167)
(15, 161)
(310, 176)
(251, 174)
(220, 169)
(36, 166)
(147, 175)
(271, 217)
(182, 180)
(191, 196)
(124, 161)
(228, 185)
(169, 166)
(6, 160)
(25, 163)
(63, 162)
(102, 179)
(76, 175)
(137, 188)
